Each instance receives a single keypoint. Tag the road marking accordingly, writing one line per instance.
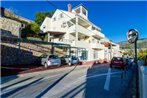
(107, 82)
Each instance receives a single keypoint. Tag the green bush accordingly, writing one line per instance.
(142, 54)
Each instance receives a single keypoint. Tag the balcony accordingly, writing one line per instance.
(80, 29)
(97, 46)
(63, 41)
(54, 29)
(98, 34)
(81, 44)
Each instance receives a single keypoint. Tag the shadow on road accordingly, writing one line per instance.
(83, 87)
(72, 93)
(5, 95)
(16, 83)
(51, 86)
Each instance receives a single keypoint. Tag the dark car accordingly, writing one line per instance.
(118, 62)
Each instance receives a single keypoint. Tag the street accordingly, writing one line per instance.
(97, 81)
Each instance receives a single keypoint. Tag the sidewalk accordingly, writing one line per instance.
(21, 69)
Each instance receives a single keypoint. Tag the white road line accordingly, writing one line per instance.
(107, 82)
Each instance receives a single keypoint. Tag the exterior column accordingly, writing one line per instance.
(48, 37)
(86, 13)
(19, 37)
(76, 39)
(80, 9)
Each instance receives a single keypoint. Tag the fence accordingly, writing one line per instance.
(142, 80)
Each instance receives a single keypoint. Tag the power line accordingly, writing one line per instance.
(63, 12)
(59, 10)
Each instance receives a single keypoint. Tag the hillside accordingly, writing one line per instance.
(141, 43)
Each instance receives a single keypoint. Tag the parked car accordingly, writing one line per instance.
(50, 59)
(118, 62)
(69, 59)
(132, 59)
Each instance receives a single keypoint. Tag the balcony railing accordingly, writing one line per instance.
(55, 29)
(80, 29)
(97, 33)
(81, 44)
(97, 46)
(64, 41)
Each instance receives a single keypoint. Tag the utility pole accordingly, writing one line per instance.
(137, 74)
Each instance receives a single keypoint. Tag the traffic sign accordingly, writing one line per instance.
(132, 35)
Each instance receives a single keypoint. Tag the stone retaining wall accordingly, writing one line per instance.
(9, 27)
(13, 53)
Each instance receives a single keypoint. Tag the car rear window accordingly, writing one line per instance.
(53, 57)
(118, 59)
(74, 58)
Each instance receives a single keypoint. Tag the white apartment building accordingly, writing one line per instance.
(73, 27)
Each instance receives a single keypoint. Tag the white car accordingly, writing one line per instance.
(50, 59)
(70, 59)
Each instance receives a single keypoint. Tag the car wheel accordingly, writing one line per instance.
(110, 66)
(59, 65)
(45, 65)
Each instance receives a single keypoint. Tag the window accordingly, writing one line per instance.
(92, 40)
(54, 19)
(44, 27)
(93, 28)
(61, 15)
(69, 24)
(95, 54)
(63, 24)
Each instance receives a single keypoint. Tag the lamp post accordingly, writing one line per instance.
(132, 36)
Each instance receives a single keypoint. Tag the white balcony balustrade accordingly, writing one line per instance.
(97, 46)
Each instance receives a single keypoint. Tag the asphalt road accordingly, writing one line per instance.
(97, 81)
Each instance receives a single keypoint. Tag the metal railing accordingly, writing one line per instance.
(142, 80)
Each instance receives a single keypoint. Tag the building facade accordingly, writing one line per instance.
(73, 27)
(12, 24)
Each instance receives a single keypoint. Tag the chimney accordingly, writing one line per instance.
(69, 7)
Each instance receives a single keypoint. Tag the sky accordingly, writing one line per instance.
(114, 18)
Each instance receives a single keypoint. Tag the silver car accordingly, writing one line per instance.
(69, 59)
(50, 59)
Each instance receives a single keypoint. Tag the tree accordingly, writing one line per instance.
(40, 16)
(35, 28)
(31, 30)
(142, 54)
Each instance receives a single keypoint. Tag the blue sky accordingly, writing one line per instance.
(115, 18)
